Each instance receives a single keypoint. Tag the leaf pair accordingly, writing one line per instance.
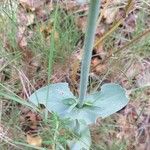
(59, 99)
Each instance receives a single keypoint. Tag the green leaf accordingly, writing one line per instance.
(83, 142)
(77, 126)
(109, 100)
(60, 100)
(54, 97)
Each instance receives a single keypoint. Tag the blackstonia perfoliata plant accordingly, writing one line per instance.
(85, 109)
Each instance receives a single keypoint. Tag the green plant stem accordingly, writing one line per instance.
(55, 133)
(77, 126)
(88, 45)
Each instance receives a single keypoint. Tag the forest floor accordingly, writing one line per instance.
(32, 32)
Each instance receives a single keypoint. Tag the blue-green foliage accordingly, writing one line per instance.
(59, 99)
(86, 109)
(84, 141)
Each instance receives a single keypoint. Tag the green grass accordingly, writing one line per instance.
(67, 36)
(64, 45)
(62, 48)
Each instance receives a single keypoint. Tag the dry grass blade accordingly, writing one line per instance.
(116, 25)
(143, 34)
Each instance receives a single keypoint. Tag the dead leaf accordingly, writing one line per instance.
(41, 14)
(130, 22)
(21, 39)
(32, 119)
(23, 42)
(109, 14)
(95, 61)
(101, 69)
(81, 23)
(29, 121)
(70, 5)
(47, 30)
(143, 79)
(30, 18)
(31, 4)
(98, 67)
(34, 140)
(99, 47)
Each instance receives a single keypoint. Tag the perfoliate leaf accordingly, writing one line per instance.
(87, 113)
(109, 100)
(52, 97)
(83, 141)
(77, 126)
(59, 99)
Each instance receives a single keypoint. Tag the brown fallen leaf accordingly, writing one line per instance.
(101, 69)
(130, 22)
(81, 23)
(31, 4)
(97, 67)
(30, 18)
(34, 140)
(70, 5)
(99, 47)
(21, 39)
(41, 14)
(95, 61)
(46, 30)
(109, 14)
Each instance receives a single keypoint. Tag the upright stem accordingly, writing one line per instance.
(88, 45)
